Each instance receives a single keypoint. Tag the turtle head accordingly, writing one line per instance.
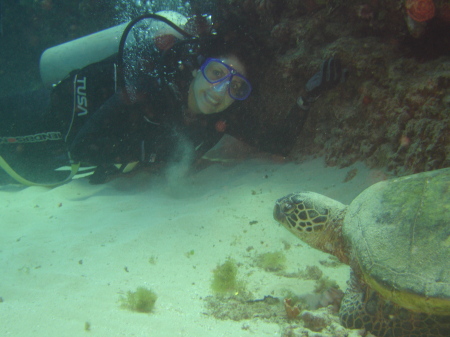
(315, 219)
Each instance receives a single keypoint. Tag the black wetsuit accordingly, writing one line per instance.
(93, 118)
(86, 118)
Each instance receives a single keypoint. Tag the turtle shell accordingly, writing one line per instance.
(399, 236)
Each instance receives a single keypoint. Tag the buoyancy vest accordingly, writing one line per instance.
(76, 98)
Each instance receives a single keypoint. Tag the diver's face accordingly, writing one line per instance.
(209, 98)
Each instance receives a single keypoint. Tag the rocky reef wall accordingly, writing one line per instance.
(394, 109)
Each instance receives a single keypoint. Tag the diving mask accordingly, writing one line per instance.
(217, 71)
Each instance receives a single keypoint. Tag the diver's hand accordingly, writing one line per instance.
(329, 75)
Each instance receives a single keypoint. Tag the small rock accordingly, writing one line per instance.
(315, 321)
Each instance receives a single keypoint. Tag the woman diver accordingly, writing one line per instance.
(165, 90)
(161, 92)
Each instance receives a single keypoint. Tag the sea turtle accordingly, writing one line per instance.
(396, 237)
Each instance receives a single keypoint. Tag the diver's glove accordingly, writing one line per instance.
(330, 74)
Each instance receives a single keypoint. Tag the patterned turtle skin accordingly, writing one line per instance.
(396, 238)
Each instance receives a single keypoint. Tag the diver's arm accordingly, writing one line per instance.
(330, 74)
(105, 137)
(280, 135)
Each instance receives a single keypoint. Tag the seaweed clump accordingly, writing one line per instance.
(141, 300)
(272, 261)
(225, 278)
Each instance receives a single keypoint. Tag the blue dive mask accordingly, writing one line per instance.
(217, 71)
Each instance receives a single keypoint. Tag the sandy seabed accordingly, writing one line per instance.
(68, 254)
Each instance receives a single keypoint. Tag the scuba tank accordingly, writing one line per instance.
(59, 61)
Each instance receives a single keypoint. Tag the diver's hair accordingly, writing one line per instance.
(239, 41)
(243, 47)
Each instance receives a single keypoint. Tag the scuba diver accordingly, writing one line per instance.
(165, 90)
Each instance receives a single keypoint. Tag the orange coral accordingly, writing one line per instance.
(420, 10)
(291, 311)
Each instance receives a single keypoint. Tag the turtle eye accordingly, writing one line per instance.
(287, 207)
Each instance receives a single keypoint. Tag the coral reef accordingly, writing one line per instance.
(420, 10)
(315, 321)
(393, 111)
(318, 323)
(292, 311)
(326, 291)
(330, 295)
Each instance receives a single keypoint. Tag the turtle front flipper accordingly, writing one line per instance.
(364, 308)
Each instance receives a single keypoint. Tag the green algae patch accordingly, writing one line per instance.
(141, 300)
(225, 278)
(272, 261)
